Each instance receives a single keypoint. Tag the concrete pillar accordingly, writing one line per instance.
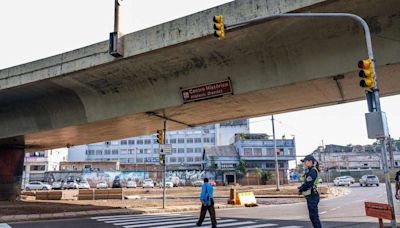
(11, 168)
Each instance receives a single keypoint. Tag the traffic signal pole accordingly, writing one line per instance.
(165, 165)
(373, 98)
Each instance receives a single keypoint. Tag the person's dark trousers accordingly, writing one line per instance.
(312, 204)
(211, 210)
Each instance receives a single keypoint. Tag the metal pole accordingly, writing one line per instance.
(276, 156)
(116, 16)
(165, 164)
(375, 91)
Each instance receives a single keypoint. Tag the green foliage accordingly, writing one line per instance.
(266, 176)
(241, 169)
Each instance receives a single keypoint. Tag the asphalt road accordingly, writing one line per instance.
(345, 211)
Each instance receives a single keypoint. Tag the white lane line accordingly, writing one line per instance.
(262, 225)
(130, 215)
(140, 219)
(334, 209)
(236, 224)
(291, 227)
(324, 212)
(162, 223)
(152, 220)
(204, 223)
(132, 218)
(4, 225)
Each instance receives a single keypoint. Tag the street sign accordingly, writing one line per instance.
(165, 149)
(379, 210)
(206, 91)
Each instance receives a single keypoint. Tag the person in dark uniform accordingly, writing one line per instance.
(397, 179)
(207, 203)
(309, 188)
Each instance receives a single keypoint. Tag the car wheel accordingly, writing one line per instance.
(377, 185)
(27, 189)
(44, 188)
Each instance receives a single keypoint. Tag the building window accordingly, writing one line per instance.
(131, 160)
(212, 140)
(88, 166)
(99, 152)
(189, 159)
(124, 142)
(257, 152)
(270, 152)
(181, 150)
(140, 142)
(206, 140)
(181, 141)
(197, 140)
(172, 159)
(131, 142)
(280, 152)
(197, 159)
(131, 151)
(174, 150)
(247, 152)
(189, 140)
(155, 151)
(115, 152)
(147, 141)
(124, 151)
(147, 151)
(139, 160)
(37, 167)
(189, 150)
(197, 150)
(291, 151)
(173, 141)
(180, 160)
(107, 152)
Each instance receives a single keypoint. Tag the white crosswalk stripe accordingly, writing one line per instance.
(4, 225)
(178, 220)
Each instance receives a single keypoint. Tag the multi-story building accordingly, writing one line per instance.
(187, 146)
(256, 150)
(37, 163)
(344, 158)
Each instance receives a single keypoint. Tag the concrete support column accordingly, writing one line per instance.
(11, 168)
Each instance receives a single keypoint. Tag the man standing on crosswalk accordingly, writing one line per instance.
(207, 203)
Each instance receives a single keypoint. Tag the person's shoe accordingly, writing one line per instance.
(198, 224)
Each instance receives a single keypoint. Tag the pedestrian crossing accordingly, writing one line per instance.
(180, 220)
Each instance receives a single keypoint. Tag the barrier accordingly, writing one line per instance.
(246, 198)
(96, 194)
(48, 195)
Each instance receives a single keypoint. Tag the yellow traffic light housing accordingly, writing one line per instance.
(219, 27)
(160, 136)
(367, 74)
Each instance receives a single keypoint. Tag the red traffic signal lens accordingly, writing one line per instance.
(360, 64)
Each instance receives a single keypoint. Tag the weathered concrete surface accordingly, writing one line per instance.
(11, 167)
(282, 65)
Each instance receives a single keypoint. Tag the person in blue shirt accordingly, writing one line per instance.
(207, 203)
(309, 188)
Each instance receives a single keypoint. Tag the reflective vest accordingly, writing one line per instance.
(315, 184)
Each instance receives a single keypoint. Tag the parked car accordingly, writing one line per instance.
(131, 184)
(341, 181)
(212, 183)
(168, 184)
(352, 181)
(83, 185)
(369, 180)
(117, 182)
(57, 185)
(71, 184)
(148, 183)
(102, 184)
(37, 185)
(175, 180)
(197, 183)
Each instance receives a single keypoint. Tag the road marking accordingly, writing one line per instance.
(4, 225)
(236, 224)
(204, 223)
(156, 222)
(291, 227)
(262, 225)
(131, 218)
(324, 212)
(128, 221)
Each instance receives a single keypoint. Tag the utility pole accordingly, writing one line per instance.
(165, 164)
(276, 156)
(390, 140)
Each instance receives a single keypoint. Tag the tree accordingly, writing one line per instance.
(241, 169)
(266, 175)
(259, 173)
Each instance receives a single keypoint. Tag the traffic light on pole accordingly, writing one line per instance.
(160, 136)
(219, 27)
(367, 74)
(162, 159)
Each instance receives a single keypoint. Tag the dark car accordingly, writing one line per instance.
(117, 182)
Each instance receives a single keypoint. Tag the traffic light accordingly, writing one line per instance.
(162, 159)
(160, 136)
(367, 74)
(219, 27)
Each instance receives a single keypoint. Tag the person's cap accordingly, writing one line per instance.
(308, 158)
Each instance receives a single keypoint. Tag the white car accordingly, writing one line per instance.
(148, 183)
(83, 185)
(131, 184)
(37, 185)
(197, 183)
(168, 184)
(352, 181)
(102, 184)
(341, 181)
(57, 185)
(70, 184)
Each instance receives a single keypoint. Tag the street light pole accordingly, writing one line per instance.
(276, 157)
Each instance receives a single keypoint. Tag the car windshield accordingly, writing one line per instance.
(83, 182)
(371, 177)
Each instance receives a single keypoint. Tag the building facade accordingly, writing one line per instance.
(37, 163)
(188, 146)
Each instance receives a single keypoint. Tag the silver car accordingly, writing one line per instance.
(37, 185)
(367, 180)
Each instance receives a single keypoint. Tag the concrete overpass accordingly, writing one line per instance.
(86, 95)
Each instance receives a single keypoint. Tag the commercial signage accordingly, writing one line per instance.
(206, 91)
(165, 149)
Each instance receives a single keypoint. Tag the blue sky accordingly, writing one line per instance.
(33, 30)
